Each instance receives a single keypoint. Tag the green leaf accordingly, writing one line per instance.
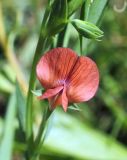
(93, 13)
(5, 85)
(21, 108)
(96, 10)
(9, 128)
(73, 5)
(114, 106)
(74, 107)
(37, 92)
(7, 70)
(58, 17)
(71, 137)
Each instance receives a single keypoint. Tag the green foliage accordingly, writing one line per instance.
(6, 78)
(5, 85)
(73, 5)
(57, 18)
(77, 139)
(96, 10)
(7, 140)
(21, 108)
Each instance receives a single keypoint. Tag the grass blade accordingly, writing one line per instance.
(9, 128)
(96, 10)
(71, 137)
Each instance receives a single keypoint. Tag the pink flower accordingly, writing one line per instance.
(66, 77)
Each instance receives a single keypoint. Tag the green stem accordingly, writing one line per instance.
(29, 115)
(81, 47)
(29, 112)
(39, 141)
(82, 16)
(39, 49)
(61, 37)
(47, 114)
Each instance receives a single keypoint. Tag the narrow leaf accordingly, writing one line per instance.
(96, 10)
(37, 92)
(21, 107)
(9, 128)
(73, 5)
(5, 85)
(71, 137)
(74, 107)
(58, 17)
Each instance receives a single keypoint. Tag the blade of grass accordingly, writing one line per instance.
(9, 128)
(21, 110)
(82, 16)
(93, 14)
(5, 85)
(71, 137)
(96, 10)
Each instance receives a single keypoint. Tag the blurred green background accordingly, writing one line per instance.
(99, 130)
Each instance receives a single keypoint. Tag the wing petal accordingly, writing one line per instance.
(51, 92)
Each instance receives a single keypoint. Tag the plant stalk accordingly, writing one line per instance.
(29, 115)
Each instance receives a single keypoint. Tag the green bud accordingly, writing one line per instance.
(87, 29)
(58, 17)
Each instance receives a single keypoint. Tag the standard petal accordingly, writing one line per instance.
(54, 67)
(51, 92)
(83, 80)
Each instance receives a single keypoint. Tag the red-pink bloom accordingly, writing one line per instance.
(66, 77)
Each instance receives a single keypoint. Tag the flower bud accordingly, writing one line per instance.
(87, 29)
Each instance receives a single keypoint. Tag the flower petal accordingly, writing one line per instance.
(55, 100)
(83, 80)
(59, 99)
(54, 67)
(51, 92)
(64, 99)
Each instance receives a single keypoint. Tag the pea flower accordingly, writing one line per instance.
(66, 77)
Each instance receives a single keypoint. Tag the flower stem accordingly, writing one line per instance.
(61, 37)
(39, 49)
(38, 141)
(47, 114)
(29, 101)
(29, 116)
(36, 145)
